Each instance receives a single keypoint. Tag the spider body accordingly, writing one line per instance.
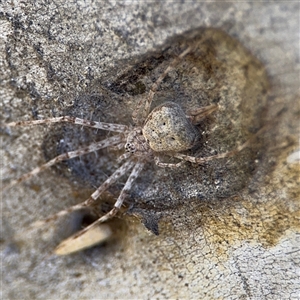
(167, 130)
(137, 144)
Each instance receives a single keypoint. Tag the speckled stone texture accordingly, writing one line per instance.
(238, 242)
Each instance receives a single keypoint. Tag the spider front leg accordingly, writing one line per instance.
(95, 233)
(68, 155)
(73, 120)
(134, 174)
(132, 177)
(88, 202)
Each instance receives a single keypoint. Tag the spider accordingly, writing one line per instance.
(167, 130)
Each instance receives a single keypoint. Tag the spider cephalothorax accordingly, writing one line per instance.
(136, 143)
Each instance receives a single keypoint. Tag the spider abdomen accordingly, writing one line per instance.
(168, 129)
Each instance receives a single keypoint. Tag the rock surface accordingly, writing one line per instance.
(244, 245)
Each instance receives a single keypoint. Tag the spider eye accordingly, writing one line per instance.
(130, 148)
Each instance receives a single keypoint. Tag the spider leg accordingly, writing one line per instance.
(159, 163)
(154, 88)
(200, 160)
(65, 156)
(133, 175)
(124, 156)
(73, 120)
(104, 186)
(197, 115)
(118, 146)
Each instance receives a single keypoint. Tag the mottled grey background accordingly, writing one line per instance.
(243, 247)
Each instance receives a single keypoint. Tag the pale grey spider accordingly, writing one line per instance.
(167, 129)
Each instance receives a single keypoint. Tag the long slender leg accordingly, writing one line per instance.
(134, 174)
(153, 89)
(104, 186)
(200, 160)
(68, 155)
(197, 115)
(68, 119)
(159, 163)
(124, 156)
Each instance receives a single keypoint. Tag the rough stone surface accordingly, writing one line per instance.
(57, 58)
